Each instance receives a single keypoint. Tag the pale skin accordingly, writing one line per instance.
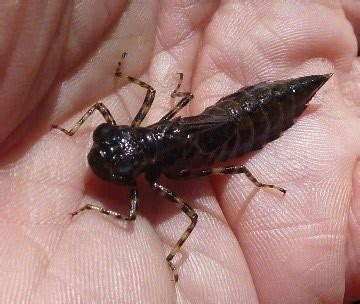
(249, 245)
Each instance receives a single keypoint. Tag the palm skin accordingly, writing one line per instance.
(249, 245)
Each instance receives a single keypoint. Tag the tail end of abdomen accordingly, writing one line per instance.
(298, 93)
(288, 100)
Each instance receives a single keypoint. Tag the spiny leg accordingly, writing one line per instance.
(132, 212)
(149, 98)
(98, 106)
(224, 170)
(186, 97)
(169, 195)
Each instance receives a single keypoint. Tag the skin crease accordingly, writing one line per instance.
(250, 246)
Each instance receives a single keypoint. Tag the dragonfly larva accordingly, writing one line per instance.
(187, 147)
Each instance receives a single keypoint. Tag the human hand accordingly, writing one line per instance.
(249, 245)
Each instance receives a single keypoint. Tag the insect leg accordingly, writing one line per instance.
(130, 217)
(169, 195)
(224, 170)
(149, 98)
(98, 106)
(186, 97)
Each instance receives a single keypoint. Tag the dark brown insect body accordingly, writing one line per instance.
(236, 124)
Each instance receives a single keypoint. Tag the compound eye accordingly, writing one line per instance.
(103, 133)
(99, 162)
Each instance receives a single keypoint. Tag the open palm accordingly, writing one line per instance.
(249, 245)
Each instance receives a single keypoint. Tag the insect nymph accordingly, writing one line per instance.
(186, 147)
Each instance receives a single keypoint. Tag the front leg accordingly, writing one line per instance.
(130, 217)
(98, 106)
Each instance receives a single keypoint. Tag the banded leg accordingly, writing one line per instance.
(183, 174)
(169, 195)
(98, 106)
(186, 97)
(149, 98)
(130, 217)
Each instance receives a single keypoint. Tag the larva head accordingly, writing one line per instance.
(116, 154)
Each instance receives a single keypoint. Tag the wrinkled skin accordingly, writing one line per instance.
(250, 245)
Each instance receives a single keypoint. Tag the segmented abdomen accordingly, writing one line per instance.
(246, 120)
(264, 111)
